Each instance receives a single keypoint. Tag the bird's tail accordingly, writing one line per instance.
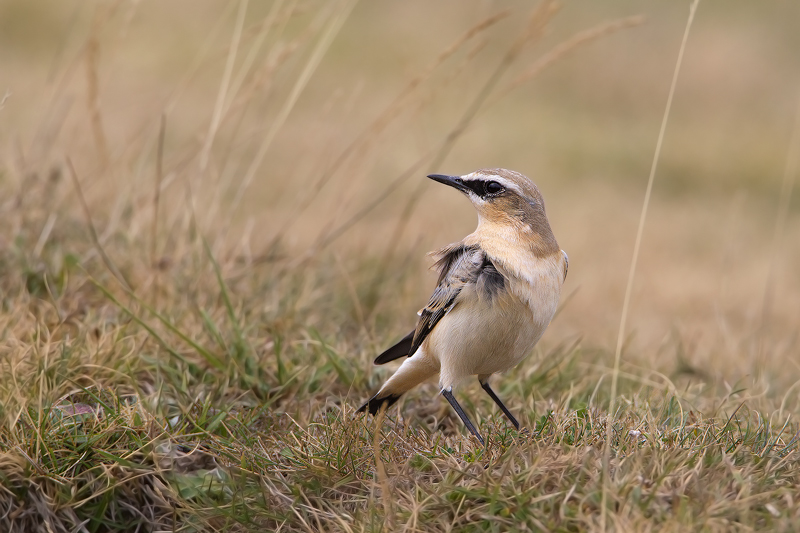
(411, 373)
(375, 403)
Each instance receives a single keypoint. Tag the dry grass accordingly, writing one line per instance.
(196, 274)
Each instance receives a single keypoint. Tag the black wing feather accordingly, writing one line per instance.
(401, 349)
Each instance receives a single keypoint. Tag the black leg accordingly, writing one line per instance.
(502, 407)
(449, 395)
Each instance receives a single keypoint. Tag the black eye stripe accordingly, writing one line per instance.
(475, 186)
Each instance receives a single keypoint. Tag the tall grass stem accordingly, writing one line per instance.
(634, 260)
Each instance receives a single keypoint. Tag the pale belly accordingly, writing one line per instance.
(477, 338)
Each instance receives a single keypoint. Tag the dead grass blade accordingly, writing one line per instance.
(93, 232)
(335, 23)
(635, 258)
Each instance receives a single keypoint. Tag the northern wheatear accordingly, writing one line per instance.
(498, 290)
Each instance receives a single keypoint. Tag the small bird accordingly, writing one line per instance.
(497, 292)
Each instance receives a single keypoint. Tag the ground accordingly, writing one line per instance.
(213, 217)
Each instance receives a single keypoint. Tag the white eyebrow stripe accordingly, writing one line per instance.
(508, 184)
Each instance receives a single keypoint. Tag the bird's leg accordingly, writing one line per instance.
(493, 396)
(450, 398)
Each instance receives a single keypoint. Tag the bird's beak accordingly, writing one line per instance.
(453, 181)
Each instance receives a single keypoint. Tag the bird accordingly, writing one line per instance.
(498, 290)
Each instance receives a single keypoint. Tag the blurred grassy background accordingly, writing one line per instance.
(271, 129)
(584, 130)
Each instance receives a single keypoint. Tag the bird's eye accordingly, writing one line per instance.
(493, 188)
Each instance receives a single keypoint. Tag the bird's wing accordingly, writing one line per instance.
(566, 264)
(459, 265)
(401, 349)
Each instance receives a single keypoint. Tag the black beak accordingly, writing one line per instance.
(453, 181)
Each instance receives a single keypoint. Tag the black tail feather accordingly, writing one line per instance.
(374, 404)
(397, 351)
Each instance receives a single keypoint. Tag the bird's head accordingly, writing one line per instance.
(507, 202)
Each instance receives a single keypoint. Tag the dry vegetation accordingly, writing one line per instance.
(213, 216)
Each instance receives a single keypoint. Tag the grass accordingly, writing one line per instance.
(185, 333)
